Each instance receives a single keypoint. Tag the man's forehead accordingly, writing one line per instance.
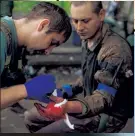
(81, 12)
(58, 35)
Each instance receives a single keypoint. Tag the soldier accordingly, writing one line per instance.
(104, 105)
(39, 30)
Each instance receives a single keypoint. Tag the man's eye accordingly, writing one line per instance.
(75, 21)
(56, 44)
(86, 20)
(52, 44)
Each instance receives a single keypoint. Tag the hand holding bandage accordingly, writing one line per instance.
(44, 86)
(39, 87)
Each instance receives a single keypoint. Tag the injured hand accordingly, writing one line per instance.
(58, 108)
(52, 110)
(55, 111)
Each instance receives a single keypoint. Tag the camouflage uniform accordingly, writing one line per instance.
(109, 63)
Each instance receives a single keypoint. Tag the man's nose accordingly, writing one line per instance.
(80, 26)
(49, 50)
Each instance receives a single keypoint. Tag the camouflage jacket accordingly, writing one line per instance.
(112, 66)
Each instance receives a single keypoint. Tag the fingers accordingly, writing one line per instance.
(40, 108)
(43, 111)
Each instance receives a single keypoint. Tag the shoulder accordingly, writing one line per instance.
(3, 51)
(114, 45)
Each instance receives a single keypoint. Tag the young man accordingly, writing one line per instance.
(44, 28)
(104, 104)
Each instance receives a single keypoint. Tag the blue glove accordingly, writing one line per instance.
(65, 91)
(39, 87)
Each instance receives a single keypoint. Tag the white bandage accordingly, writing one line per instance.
(55, 92)
(61, 103)
(66, 120)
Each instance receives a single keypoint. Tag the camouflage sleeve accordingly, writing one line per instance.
(3, 50)
(119, 63)
(95, 104)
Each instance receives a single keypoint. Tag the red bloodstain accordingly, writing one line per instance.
(57, 111)
(50, 110)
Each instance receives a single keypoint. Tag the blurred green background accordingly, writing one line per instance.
(21, 6)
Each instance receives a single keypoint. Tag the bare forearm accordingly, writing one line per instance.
(12, 94)
(74, 107)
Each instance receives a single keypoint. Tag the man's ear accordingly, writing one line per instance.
(102, 14)
(44, 23)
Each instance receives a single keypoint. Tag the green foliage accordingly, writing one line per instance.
(23, 6)
(26, 6)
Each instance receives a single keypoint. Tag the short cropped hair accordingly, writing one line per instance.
(59, 20)
(97, 5)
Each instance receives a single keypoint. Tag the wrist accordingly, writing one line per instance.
(22, 91)
(12, 95)
(74, 107)
(67, 91)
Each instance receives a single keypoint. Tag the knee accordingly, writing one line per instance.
(32, 120)
(28, 121)
(27, 117)
(31, 116)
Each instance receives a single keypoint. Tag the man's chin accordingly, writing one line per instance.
(83, 37)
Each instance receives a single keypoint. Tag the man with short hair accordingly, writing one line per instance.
(104, 105)
(44, 28)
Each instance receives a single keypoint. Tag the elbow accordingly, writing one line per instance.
(100, 102)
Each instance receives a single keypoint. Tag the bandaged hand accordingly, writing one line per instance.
(53, 112)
